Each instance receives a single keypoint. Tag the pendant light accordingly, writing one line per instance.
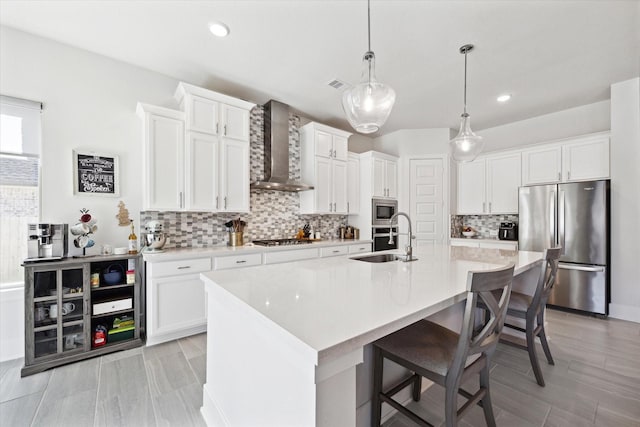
(369, 103)
(467, 145)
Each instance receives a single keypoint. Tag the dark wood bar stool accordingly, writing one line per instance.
(445, 357)
(531, 308)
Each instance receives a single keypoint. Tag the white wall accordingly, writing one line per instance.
(581, 120)
(359, 143)
(89, 102)
(625, 200)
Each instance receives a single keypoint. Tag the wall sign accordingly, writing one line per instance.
(95, 174)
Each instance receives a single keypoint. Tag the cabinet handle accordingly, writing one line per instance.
(335, 252)
(225, 202)
(347, 207)
(483, 205)
(559, 176)
(334, 207)
(217, 202)
(568, 175)
(242, 261)
(183, 267)
(217, 128)
(330, 152)
(329, 207)
(225, 130)
(489, 207)
(180, 201)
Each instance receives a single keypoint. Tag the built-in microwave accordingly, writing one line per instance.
(382, 210)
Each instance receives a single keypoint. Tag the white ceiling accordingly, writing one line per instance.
(550, 55)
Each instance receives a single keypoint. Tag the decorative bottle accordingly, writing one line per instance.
(133, 241)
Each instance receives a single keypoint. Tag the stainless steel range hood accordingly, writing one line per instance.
(276, 151)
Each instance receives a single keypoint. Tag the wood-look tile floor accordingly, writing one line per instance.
(595, 381)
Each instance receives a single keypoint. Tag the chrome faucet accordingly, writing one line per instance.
(408, 250)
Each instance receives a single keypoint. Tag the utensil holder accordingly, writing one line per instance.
(236, 238)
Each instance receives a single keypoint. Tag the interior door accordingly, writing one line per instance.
(427, 201)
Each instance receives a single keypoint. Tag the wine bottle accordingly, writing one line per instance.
(133, 241)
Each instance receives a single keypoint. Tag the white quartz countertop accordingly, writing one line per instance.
(224, 250)
(334, 305)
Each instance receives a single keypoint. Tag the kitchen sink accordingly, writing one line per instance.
(378, 258)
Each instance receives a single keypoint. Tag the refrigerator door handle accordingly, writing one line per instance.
(561, 224)
(552, 220)
(580, 268)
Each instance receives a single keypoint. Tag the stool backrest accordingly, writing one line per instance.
(483, 338)
(546, 280)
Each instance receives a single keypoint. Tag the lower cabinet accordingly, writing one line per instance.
(77, 309)
(176, 303)
(486, 244)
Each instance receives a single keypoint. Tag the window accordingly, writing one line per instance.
(19, 183)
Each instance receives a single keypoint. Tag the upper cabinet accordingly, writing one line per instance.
(489, 185)
(197, 159)
(385, 175)
(576, 159)
(353, 184)
(324, 165)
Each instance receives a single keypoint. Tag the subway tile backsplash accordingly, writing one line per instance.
(483, 224)
(274, 214)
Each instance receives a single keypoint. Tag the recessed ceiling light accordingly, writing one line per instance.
(503, 98)
(219, 29)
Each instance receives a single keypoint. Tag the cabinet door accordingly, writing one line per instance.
(202, 114)
(379, 187)
(353, 185)
(391, 178)
(235, 176)
(323, 184)
(503, 180)
(324, 144)
(235, 123)
(201, 187)
(164, 164)
(340, 148)
(339, 175)
(586, 160)
(176, 303)
(541, 165)
(471, 187)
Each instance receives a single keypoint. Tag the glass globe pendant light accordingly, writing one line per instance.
(466, 146)
(369, 103)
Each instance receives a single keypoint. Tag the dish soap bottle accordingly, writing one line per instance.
(133, 241)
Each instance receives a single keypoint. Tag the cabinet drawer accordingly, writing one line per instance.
(288, 256)
(111, 306)
(237, 261)
(357, 249)
(173, 268)
(334, 251)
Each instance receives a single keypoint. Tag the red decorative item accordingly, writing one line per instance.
(99, 336)
(85, 215)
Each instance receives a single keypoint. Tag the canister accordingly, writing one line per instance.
(95, 280)
(236, 238)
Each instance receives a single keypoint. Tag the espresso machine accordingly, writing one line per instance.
(47, 242)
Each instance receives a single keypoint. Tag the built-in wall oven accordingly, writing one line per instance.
(382, 210)
(380, 236)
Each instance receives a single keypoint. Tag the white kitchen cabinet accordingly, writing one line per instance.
(360, 248)
(575, 159)
(586, 158)
(176, 303)
(202, 181)
(385, 176)
(237, 261)
(214, 113)
(324, 165)
(353, 184)
(234, 176)
(485, 244)
(334, 251)
(489, 185)
(163, 158)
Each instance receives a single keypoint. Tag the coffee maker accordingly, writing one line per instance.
(47, 242)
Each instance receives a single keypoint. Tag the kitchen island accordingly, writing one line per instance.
(284, 340)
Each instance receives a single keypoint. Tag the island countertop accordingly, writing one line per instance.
(334, 305)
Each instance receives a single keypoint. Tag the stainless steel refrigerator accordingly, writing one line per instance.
(575, 216)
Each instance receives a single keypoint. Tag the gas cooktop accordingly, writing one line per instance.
(280, 242)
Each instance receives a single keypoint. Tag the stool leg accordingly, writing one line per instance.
(376, 403)
(486, 400)
(531, 349)
(451, 406)
(417, 386)
(543, 340)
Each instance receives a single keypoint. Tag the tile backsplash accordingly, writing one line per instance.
(483, 224)
(274, 214)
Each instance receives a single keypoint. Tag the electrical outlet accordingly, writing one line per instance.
(493, 233)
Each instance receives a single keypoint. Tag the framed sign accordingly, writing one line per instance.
(95, 174)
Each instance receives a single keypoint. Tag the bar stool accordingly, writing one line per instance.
(445, 357)
(531, 308)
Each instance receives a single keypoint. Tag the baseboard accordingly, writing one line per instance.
(209, 410)
(170, 336)
(624, 312)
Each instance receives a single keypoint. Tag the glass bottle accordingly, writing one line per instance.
(133, 241)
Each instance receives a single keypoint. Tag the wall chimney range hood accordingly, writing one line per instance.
(276, 151)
